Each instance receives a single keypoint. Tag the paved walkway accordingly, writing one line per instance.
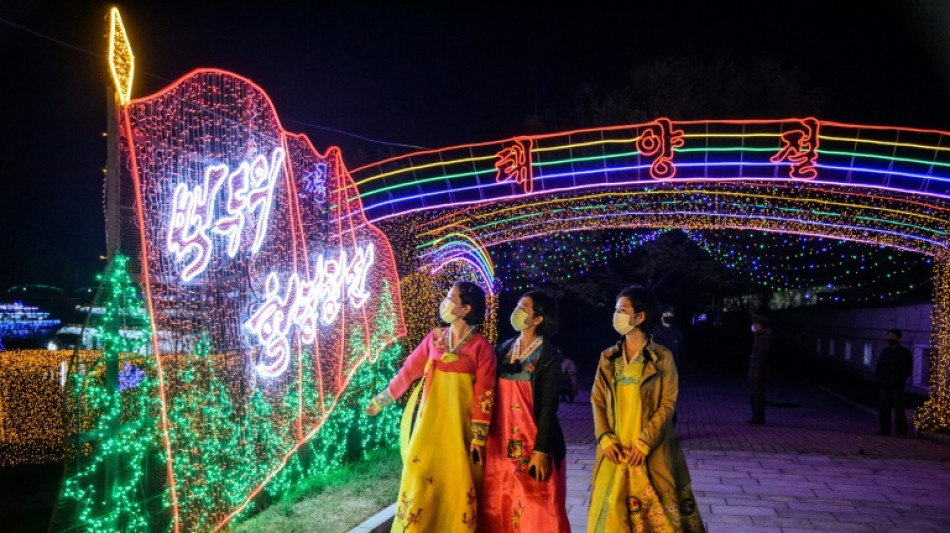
(815, 466)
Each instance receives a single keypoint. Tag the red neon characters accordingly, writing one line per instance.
(800, 148)
(659, 139)
(514, 163)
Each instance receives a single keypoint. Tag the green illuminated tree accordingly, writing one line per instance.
(112, 401)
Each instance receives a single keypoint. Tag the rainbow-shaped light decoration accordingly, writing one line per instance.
(877, 185)
(458, 243)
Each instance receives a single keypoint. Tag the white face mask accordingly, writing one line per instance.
(519, 319)
(622, 323)
(445, 311)
(754, 329)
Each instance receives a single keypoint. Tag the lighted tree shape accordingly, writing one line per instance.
(222, 442)
(116, 414)
(221, 448)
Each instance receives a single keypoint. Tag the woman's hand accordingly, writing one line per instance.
(541, 465)
(635, 457)
(614, 454)
(478, 453)
(373, 408)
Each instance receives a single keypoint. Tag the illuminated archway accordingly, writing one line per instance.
(453, 253)
(869, 184)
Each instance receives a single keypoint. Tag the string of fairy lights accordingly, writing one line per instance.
(822, 269)
(833, 270)
(934, 415)
(296, 285)
(560, 257)
(222, 450)
(898, 222)
(883, 192)
(31, 403)
(113, 422)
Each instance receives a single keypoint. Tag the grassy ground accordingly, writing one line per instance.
(335, 502)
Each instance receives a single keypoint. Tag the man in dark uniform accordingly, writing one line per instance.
(669, 336)
(666, 334)
(758, 366)
(893, 368)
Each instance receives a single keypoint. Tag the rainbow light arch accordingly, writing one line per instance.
(898, 177)
(878, 185)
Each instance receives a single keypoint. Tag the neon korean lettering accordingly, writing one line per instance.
(250, 189)
(304, 303)
(315, 182)
(514, 163)
(192, 210)
(659, 139)
(800, 148)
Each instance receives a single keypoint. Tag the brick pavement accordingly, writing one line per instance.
(815, 466)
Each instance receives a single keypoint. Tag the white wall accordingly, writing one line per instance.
(853, 338)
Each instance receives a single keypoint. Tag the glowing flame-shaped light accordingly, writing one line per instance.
(121, 60)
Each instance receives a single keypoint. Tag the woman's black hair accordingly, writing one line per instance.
(643, 300)
(472, 295)
(545, 306)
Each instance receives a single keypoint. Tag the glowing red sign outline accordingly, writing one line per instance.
(659, 138)
(514, 163)
(800, 148)
(353, 230)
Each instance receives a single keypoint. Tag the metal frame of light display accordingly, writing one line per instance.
(271, 284)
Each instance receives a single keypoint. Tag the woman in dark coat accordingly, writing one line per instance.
(524, 488)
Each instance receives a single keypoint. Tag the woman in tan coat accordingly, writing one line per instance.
(641, 481)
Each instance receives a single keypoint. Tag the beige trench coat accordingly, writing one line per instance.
(659, 389)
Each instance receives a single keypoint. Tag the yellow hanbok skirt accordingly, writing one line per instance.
(440, 485)
(624, 499)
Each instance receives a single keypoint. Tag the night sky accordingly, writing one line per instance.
(424, 76)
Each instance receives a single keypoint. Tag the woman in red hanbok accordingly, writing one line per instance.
(524, 487)
(442, 437)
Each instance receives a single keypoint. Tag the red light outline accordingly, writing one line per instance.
(341, 377)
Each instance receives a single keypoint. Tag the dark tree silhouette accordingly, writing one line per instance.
(681, 88)
(688, 88)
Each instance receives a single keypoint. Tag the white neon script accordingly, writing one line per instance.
(303, 303)
(250, 188)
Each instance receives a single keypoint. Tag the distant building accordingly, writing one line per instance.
(25, 325)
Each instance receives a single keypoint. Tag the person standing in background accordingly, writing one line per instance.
(759, 366)
(893, 368)
(568, 380)
(668, 335)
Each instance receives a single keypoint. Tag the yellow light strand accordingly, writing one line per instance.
(121, 60)
(934, 415)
